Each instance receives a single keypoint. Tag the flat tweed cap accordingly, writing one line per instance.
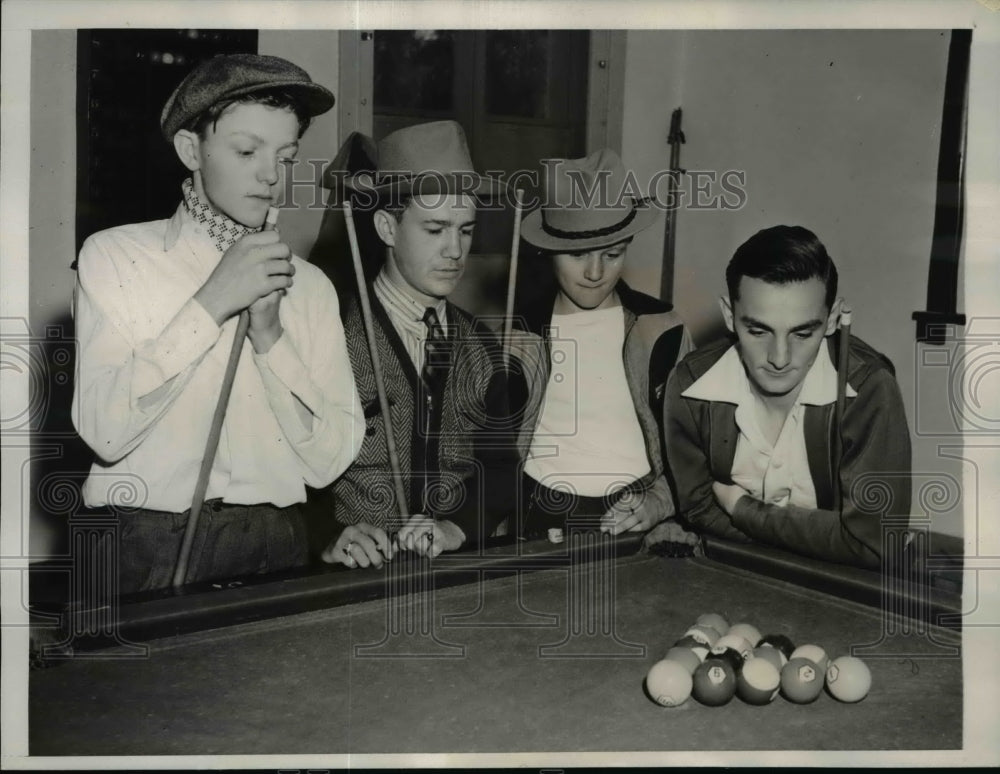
(236, 75)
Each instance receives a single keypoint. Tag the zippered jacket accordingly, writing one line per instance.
(874, 465)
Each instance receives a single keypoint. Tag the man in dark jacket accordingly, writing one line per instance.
(443, 372)
(750, 431)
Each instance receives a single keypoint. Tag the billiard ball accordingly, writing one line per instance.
(714, 683)
(779, 641)
(705, 635)
(758, 681)
(801, 681)
(716, 621)
(737, 643)
(734, 659)
(749, 632)
(684, 656)
(669, 683)
(814, 653)
(848, 679)
(772, 654)
(690, 642)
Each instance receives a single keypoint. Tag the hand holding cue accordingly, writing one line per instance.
(366, 315)
(215, 431)
(508, 320)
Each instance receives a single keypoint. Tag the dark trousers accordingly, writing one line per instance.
(230, 541)
(543, 508)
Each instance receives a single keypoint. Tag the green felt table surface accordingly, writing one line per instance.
(548, 661)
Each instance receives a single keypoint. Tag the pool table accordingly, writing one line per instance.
(529, 646)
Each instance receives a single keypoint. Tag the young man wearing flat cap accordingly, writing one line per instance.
(443, 373)
(156, 308)
(591, 439)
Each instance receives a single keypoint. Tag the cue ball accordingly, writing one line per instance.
(714, 683)
(848, 679)
(814, 653)
(772, 654)
(801, 680)
(749, 632)
(779, 641)
(716, 621)
(758, 681)
(684, 656)
(736, 642)
(705, 635)
(669, 683)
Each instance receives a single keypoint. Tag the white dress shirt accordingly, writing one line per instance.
(776, 473)
(150, 362)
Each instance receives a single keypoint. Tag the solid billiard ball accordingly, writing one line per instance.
(758, 681)
(705, 635)
(736, 642)
(684, 656)
(801, 680)
(848, 679)
(772, 654)
(779, 641)
(749, 632)
(734, 659)
(714, 683)
(669, 683)
(716, 621)
(814, 653)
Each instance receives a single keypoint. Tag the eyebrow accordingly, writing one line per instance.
(258, 139)
(752, 322)
(447, 222)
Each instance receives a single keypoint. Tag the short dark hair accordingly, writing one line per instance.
(276, 98)
(780, 255)
(395, 204)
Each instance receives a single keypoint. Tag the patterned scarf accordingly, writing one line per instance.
(224, 230)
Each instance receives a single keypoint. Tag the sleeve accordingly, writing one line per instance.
(310, 388)
(688, 463)
(874, 476)
(125, 382)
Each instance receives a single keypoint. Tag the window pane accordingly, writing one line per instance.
(414, 69)
(517, 64)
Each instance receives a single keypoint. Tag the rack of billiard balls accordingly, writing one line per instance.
(714, 661)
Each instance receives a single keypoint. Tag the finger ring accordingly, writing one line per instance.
(430, 537)
(347, 548)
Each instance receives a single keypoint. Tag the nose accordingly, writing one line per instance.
(453, 244)
(593, 270)
(778, 355)
(267, 171)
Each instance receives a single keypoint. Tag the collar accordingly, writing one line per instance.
(399, 304)
(727, 382)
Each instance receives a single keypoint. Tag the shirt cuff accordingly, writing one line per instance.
(282, 361)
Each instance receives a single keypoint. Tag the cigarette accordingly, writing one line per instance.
(272, 219)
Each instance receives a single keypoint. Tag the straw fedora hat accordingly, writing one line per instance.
(425, 159)
(587, 205)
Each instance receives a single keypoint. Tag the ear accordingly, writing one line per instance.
(187, 144)
(834, 319)
(385, 227)
(727, 313)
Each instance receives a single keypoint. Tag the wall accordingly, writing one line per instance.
(838, 131)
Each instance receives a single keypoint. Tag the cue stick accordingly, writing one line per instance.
(838, 443)
(366, 314)
(215, 431)
(508, 319)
